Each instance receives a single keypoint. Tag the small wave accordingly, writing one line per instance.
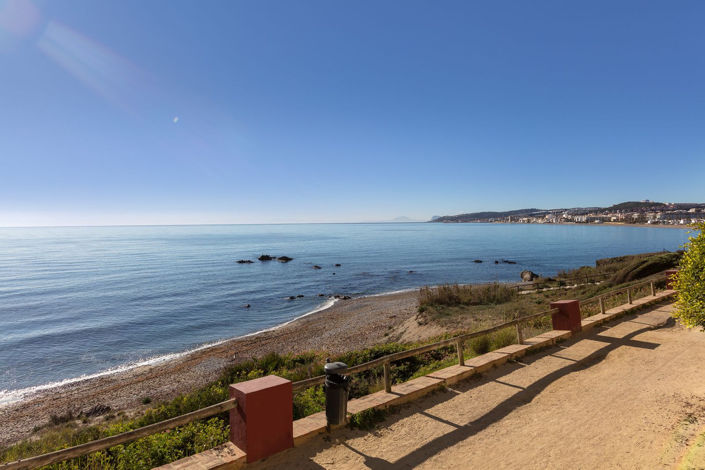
(9, 397)
(400, 291)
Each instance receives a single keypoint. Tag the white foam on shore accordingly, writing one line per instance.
(9, 397)
(401, 291)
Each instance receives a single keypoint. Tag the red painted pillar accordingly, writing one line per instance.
(568, 316)
(262, 422)
(670, 281)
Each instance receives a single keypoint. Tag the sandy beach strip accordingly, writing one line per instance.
(347, 325)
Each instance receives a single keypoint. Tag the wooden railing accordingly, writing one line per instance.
(457, 341)
(107, 442)
(629, 290)
(384, 361)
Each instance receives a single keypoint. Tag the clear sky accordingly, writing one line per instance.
(171, 111)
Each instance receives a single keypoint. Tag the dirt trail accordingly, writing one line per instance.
(625, 396)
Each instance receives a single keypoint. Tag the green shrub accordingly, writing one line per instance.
(503, 338)
(690, 281)
(481, 345)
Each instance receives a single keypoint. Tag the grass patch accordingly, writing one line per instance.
(451, 295)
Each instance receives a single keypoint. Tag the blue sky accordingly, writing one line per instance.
(149, 112)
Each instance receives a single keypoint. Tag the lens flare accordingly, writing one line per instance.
(18, 17)
(108, 74)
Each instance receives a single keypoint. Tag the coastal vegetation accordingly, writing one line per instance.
(690, 281)
(457, 309)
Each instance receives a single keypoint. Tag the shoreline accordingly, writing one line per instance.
(334, 328)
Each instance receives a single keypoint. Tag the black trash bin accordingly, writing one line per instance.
(336, 386)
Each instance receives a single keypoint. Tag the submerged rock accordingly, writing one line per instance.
(477, 261)
(291, 297)
(315, 266)
(265, 258)
(246, 306)
(244, 261)
(284, 259)
(508, 261)
(337, 265)
(299, 296)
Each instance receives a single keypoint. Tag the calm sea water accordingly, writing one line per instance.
(85, 300)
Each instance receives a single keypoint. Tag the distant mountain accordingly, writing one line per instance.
(636, 205)
(474, 216)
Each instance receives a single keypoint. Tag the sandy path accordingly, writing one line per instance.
(626, 396)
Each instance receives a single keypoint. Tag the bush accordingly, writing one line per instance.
(481, 345)
(451, 295)
(690, 281)
(503, 338)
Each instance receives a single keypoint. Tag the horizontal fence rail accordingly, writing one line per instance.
(454, 341)
(107, 442)
(624, 290)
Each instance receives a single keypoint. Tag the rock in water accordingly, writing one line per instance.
(477, 261)
(528, 276)
(266, 258)
(245, 261)
(315, 266)
(284, 259)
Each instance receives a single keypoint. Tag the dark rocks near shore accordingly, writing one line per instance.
(477, 261)
(528, 276)
(321, 295)
(284, 259)
(292, 297)
(508, 261)
(244, 261)
(496, 262)
(299, 296)
(266, 258)
(97, 410)
(315, 266)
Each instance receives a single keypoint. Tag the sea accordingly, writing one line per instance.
(78, 302)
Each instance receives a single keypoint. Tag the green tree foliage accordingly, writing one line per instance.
(690, 281)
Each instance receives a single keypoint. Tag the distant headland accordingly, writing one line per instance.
(632, 212)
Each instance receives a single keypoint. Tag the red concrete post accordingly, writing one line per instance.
(670, 282)
(568, 315)
(262, 424)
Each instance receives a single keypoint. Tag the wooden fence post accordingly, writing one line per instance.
(459, 346)
(387, 377)
(653, 289)
(520, 334)
(629, 295)
(602, 305)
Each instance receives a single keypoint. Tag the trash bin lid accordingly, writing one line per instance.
(335, 368)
